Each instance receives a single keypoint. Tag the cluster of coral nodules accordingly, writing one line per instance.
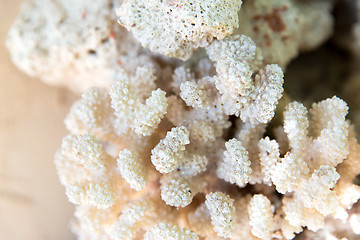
(137, 167)
(165, 149)
(79, 45)
(142, 162)
(176, 28)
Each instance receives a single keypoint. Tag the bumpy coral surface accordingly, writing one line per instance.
(162, 175)
(199, 149)
(176, 27)
(283, 28)
(69, 43)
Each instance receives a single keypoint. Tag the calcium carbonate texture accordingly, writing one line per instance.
(207, 148)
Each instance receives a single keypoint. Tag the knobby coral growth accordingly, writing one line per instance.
(174, 163)
(164, 149)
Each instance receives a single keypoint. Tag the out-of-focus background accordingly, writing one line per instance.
(33, 205)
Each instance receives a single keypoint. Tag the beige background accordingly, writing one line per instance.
(33, 205)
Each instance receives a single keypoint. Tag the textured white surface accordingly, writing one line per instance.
(177, 28)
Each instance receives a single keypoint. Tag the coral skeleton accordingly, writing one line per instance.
(183, 129)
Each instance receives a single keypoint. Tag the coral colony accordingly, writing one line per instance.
(171, 137)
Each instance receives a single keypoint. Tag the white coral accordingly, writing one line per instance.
(92, 186)
(281, 29)
(127, 93)
(261, 216)
(176, 28)
(132, 169)
(235, 167)
(222, 212)
(178, 190)
(269, 155)
(263, 101)
(163, 231)
(167, 155)
(133, 217)
(42, 45)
